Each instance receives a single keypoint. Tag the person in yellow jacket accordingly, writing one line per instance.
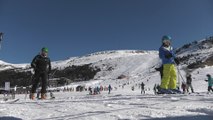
(169, 77)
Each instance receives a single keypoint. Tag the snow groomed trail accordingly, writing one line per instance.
(115, 106)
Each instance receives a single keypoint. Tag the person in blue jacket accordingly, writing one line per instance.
(169, 78)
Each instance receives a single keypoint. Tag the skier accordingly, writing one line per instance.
(189, 83)
(142, 88)
(183, 86)
(210, 82)
(42, 67)
(133, 88)
(90, 91)
(109, 88)
(169, 78)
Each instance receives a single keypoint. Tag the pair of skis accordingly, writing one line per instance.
(8, 101)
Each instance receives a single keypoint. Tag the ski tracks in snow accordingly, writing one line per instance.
(113, 106)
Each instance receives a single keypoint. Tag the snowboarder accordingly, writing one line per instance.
(142, 88)
(210, 82)
(42, 67)
(189, 83)
(169, 78)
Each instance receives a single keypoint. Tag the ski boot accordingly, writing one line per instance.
(164, 91)
(43, 96)
(32, 96)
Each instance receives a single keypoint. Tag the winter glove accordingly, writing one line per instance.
(160, 68)
(168, 56)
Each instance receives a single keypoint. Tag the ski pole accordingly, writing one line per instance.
(180, 74)
(52, 75)
(28, 85)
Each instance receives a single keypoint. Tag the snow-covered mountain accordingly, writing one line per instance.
(115, 63)
(197, 52)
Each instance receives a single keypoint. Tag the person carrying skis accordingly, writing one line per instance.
(210, 82)
(189, 83)
(42, 67)
(168, 83)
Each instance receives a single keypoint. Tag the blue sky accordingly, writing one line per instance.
(72, 28)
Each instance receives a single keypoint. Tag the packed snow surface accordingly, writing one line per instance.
(119, 105)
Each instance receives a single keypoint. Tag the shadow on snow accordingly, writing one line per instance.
(199, 117)
(9, 118)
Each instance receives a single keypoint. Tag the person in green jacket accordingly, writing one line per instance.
(210, 82)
